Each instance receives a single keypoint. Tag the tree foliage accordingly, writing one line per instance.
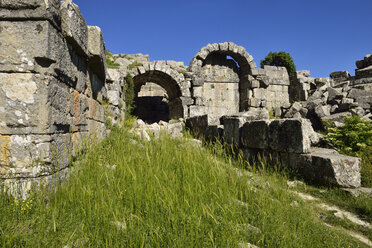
(280, 59)
(129, 93)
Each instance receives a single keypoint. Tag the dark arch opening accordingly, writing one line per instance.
(157, 97)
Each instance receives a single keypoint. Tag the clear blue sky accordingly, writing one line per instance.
(321, 35)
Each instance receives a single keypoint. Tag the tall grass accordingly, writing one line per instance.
(164, 193)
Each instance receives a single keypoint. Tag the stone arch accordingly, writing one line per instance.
(173, 82)
(231, 67)
(238, 53)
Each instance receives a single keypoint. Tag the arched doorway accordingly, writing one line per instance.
(222, 75)
(158, 96)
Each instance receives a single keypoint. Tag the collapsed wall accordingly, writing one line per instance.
(52, 78)
(288, 142)
(332, 99)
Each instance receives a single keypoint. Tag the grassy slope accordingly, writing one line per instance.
(166, 193)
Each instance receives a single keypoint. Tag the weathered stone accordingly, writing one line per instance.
(278, 112)
(334, 108)
(96, 49)
(196, 111)
(96, 86)
(356, 192)
(322, 83)
(340, 75)
(96, 111)
(323, 110)
(259, 93)
(74, 27)
(255, 134)
(25, 99)
(340, 117)
(295, 108)
(291, 135)
(328, 167)
(232, 125)
(364, 73)
(27, 45)
(197, 123)
(359, 111)
(276, 75)
(303, 73)
(333, 94)
(254, 102)
(31, 10)
(311, 105)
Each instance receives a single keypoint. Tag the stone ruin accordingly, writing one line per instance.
(52, 86)
(56, 92)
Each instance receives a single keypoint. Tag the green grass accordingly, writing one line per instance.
(164, 193)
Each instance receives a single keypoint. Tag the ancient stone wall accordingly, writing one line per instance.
(225, 81)
(52, 79)
(169, 75)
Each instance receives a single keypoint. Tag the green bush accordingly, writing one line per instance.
(110, 60)
(353, 139)
(129, 94)
(280, 59)
(134, 65)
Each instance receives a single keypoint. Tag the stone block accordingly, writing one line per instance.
(254, 84)
(196, 111)
(303, 73)
(30, 156)
(357, 93)
(187, 100)
(327, 167)
(197, 91)
(364, 73)
(254, 102)
(200, 101)
(97, 130)
(198, 124)
(255, 134)
(25, 103)
(96, 87)
(339, 117)
(323, 110)
(259, 93)
(291, 135)
(31, 10)
(295, 108)
(96, 49)
(334, 93)
(74, 27)
(29, 46)
(114, 97)
(340, 76)
(232, 125)
(24, 154)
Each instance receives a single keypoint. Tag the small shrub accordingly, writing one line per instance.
(134, 65)
(353, 139)
(129, 94)
(280, 59)
(110, 60)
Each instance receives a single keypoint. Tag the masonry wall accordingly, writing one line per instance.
(52, 74)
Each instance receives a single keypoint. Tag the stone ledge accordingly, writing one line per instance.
(328, 167)
(31, 10)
